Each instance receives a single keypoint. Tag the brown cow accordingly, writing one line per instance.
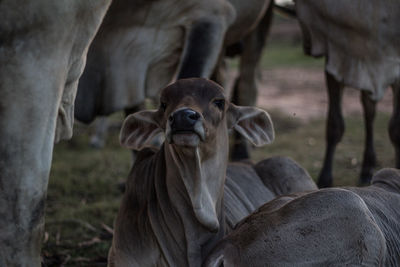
(330, 227)
(174, 209)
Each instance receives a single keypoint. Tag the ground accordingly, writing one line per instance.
(83, 196)
(301, 93)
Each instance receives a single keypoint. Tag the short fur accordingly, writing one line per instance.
(330, 227)
(43, 46)
(360, 53)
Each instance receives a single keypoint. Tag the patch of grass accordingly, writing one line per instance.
(287, 55)
(83, 198)
(305, 143)
(278, 55)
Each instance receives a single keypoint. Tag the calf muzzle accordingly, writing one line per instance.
(183, 120)
(185, 127)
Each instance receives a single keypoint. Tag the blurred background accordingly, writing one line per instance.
(83, 195)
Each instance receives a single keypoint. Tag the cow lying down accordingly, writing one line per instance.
(182, 198)
(330, 227)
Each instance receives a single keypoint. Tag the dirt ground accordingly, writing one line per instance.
(301, 93)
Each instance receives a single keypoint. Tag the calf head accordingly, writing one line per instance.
(195, 117)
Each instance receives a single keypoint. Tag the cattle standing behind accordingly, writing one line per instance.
(43, 47)
(177, 202)
(142, 46)
(361, 44)
(330, 227)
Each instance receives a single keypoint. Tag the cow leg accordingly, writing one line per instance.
(369, 160)
(40, 68)
(203, 44)
(334, 128)
(220, 72)
(245, 88)
(98, 139)
(27, 133)
(394, 124)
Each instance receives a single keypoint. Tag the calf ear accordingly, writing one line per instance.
(252, 123)
(139, 130)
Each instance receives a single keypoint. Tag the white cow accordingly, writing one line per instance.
(43, 46)
(361, 43)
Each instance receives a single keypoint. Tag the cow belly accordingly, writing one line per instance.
(244, 193)
(362, 53)
(248, 14)
(125, 67)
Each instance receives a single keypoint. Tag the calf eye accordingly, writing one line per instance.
(220, 103)
(163, 106)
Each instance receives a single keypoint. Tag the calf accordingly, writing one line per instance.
(329, 227)
(174, 209)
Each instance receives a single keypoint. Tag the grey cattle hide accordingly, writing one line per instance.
(43, 46)
(360, 40)
(142, 46)
(330, 227)
(157, 234)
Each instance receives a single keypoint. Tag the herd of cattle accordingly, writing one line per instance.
(184, 204)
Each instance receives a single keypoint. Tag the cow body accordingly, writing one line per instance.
(360, 44)
(361, 53)
(329, 227)
(43, 47)
(182, 198)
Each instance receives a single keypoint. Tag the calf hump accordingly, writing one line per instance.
(340, 216)
(283, 176)
(388, 178)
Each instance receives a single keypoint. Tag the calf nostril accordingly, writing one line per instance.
(194, 116)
